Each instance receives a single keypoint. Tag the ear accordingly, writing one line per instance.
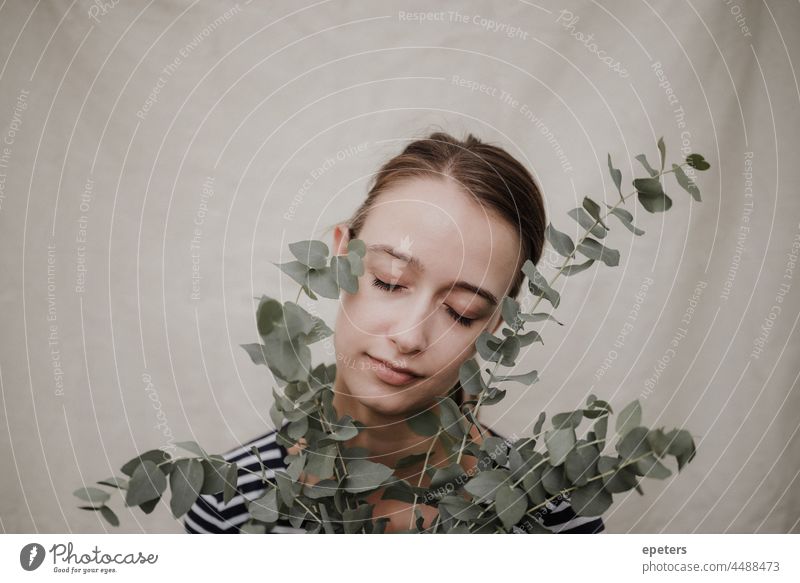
(341, 237)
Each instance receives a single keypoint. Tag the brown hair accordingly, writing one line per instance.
(493, 178)
(489, 174)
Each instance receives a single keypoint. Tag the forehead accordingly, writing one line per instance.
(453, 236)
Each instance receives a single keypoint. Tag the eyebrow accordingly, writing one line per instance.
(417, 264)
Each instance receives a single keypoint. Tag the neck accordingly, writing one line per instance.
(388, 438)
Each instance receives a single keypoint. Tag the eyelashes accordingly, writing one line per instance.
(388, 287)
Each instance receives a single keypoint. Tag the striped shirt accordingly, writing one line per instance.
(210, 515)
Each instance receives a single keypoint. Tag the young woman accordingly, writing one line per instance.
(448, 225)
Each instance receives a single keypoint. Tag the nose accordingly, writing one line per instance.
(410, 332)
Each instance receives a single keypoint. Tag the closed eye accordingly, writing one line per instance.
(466, 322)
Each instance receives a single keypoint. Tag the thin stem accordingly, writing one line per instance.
(422, 475)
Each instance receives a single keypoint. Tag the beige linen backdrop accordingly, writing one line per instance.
(156, 158)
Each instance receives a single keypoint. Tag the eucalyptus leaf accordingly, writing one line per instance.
(313, 254)
(561, 242)
(616, 176)
(93, 495)
(586, 221)
(185, 482)
(559, 443)
(591, 499)
(597, 251)
(594, 210)
(538, 285)
(697, 162)
(364, 475)
(577, 267)
(147, 483)
(511, 504)
(687, 184)
(425, 423)
(646, 165)
(629, 417)
(626, 219)
(469, 375)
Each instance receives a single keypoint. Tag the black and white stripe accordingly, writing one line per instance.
(209, 515)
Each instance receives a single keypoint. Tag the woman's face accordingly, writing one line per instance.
(436, 269)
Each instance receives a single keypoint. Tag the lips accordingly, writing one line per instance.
(391, 374)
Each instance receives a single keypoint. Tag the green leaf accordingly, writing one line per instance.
(600, 429)
(559, 443)
(344, 429)
(265, 508)
(538, 317)
(561, 242)
(586, 221)
(643, 161)
(343, 273)
(322, 489)
(484, 485)
(577, 267)
(268, 314)
(446, 475)
(424, 423)
(451, 418)
(323, 281)
(314, 254)
(537, 428)
(697, 162)
(594, 210)
(185, 481)
(581, 464)
(616, 176)
(213, 475)
(364, 475)
(688, 185)
(154, 455)
(192, 447)
(286, 488)
(629, 417)
(529, 338)
(538, 285)
(634, 444)
(109, 515)
(681, 445)
(626, 219)
(511, 504)
(297, 321)
(296, 270)
(650, 467)
(658, 442)
(290, 361)
(357, 246)
(147, 483)
(534, 487)
(553, 480)
(460, 508)
(510, 310)
(525, 379)
(662, 150)
(469, 375)
(115, 482)
(651, 195)
(591, 499)
(93, 495)
(569, 419)
(595, 250)
(620, 480)
(231, 479)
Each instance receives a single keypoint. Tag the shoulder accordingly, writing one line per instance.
(210, 514)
